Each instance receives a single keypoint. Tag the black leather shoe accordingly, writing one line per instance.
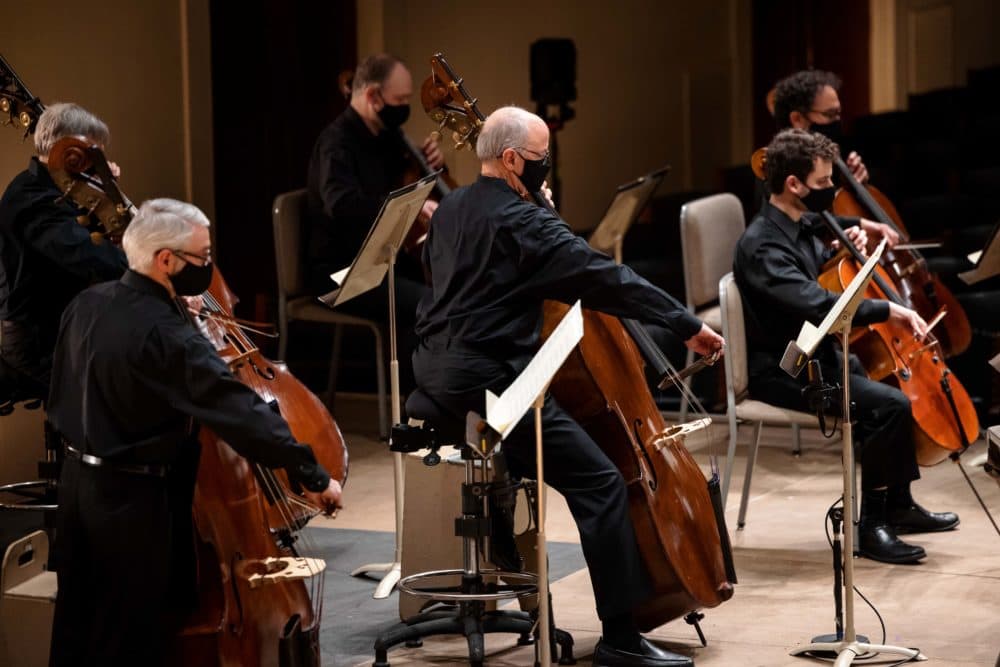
(879, 542)
(915, 519)
(649, 655)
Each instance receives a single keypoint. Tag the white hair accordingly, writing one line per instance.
(67, 120)
(507, 127)
(160, 223)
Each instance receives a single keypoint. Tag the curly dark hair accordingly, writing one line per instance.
(792, 153)
(374, 69)
(797, 92)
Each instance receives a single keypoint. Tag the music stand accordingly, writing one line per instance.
(987, 265)
(838, 321)
(624, 209)
(504, 412)
(376, 258)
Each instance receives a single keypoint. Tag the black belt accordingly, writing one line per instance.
(152, 470)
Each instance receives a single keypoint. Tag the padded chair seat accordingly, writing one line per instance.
(421, 406)
(757, 411)
(308, 308)
(711, 316)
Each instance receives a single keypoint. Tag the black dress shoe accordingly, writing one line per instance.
(649, 655)
(879, 542)
(915, 519)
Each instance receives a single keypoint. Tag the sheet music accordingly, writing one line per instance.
(367, 271)
(810, 336)
(798, 351)
(624, 210)
(503, 413)
(995, 363)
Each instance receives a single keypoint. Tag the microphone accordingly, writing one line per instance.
(794, 359)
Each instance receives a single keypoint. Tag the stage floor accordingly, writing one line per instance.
(948, 606)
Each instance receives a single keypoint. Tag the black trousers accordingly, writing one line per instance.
(574, 466)
(26, 358)
(112, 554)
(883, 435)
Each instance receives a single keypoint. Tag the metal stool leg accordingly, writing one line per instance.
(751, 462)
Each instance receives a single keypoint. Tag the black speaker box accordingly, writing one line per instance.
(553, 71)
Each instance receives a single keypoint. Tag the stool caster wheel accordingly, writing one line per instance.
(414, 643)
(525, 640)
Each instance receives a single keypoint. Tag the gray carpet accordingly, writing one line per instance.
(352, 619)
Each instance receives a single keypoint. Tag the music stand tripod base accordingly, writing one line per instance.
(846, 651)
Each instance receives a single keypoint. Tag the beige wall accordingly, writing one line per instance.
(123, 61)
(658, 82)
(923, 45)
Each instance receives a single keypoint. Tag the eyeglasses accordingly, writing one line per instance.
(184, 254)
(546, 157)
(829, 114)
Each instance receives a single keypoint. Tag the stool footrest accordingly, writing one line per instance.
(518, 584)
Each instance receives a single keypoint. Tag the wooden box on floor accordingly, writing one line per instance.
(28, 602)
(432, 501)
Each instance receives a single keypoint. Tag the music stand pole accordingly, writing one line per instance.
(849, 648)
(380, 250)
(544, 653)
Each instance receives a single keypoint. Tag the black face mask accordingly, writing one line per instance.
(393, 115)
(819, 199)
(833, 131)
(534, 173)
(192, 280)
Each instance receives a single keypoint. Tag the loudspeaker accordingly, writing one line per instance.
(553, 71)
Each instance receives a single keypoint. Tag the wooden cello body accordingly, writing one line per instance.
(944, 418)
(603, 387)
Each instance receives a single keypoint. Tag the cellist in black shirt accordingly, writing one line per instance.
(777, 262)
(494, 257)
(132, 381)
(46, 256)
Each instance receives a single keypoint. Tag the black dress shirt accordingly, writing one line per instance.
(46, 257)
(494, 258)
(776, 266)
(130, 372)
(350, 173)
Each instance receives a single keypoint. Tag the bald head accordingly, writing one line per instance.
(511, 127)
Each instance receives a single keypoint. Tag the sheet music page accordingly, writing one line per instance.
(987, 261)
(995, 363)
(810, 335)
(368, 269)
(506, 411)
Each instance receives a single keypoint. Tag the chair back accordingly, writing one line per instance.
(734, 331)
(286, 217)
(710, 228)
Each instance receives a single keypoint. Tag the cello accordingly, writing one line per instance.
(918, 288)
(259, 595)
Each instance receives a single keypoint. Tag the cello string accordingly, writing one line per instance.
(232, 332)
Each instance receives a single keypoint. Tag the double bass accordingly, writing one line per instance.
(259, 591)
(680, 532)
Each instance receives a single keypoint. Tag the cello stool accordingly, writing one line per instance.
(487, 497)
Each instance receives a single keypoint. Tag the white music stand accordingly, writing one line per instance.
(504, 413)
(623, 210)
(838, 321)
(376, 258)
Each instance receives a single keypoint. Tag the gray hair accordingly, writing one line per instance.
(160, 223)
(66, 120)
(507, 127)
